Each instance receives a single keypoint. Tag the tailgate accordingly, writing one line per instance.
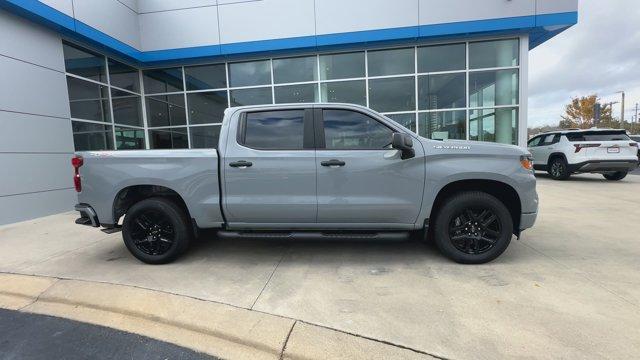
(603, 145)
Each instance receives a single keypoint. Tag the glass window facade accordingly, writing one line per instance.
(457, 90)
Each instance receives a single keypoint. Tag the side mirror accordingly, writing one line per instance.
(404, 143)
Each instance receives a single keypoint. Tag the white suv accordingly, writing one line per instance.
(605, 151)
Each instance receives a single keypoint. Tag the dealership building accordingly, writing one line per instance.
(158, 74)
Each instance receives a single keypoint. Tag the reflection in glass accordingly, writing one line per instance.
(129, 139)
(493, 88)
(495, 125)
(442, 58)
(492, 54)
(204, 137)
(350, 92)
(90, 136)
(296, 93)
(250, 73)
(84, 63)
(392, 94)
(205, 77)
(443, 125)
(162, 80)
(346, 129)
(443, 91)
(175, 138)
(123, 76)
(406, 120)
(166, 110)
(275, 130)
(342, 66)
(296, 69)
(257, 96)
(206, 107)
(391, 62)
(88, 100)
(127, 108)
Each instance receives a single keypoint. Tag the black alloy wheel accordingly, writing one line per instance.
(157, 230)
(475, 231)
(472, 227)
(152, 232)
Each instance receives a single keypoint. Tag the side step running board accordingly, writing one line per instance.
(315, 235)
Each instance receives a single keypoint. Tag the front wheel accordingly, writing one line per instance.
(156, 230)
(558, 169)
(473, 228)
(615, 176)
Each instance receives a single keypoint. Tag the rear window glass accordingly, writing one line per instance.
(275, 130)
(597, 136)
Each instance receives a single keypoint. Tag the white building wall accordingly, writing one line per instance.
(35, 132)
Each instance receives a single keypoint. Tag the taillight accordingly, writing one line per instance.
(583, 146)
(77, 162)
(633, 144)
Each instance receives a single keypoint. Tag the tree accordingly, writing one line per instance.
(580, 113)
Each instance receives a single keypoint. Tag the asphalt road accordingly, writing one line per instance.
(31, 336)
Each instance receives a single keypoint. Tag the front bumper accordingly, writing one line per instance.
(527, 220)
(87, 215)
(604, 166)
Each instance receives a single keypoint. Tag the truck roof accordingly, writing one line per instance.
(287, 105)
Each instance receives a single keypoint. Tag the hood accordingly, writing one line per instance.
(471, 147)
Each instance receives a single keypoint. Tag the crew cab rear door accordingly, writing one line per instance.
(361, 179)
(269, 169)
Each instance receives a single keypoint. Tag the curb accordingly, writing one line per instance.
(208, 327)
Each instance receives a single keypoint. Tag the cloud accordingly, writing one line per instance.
(600, 55)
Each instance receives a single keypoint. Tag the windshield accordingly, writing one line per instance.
(613, 135)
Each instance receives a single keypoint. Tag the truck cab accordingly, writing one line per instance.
(312, 171)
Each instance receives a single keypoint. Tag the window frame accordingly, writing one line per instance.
(537, 137)
(320, 141)
(308, 142)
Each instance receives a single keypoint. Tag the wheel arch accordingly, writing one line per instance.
(556, 155)
(130, 195)
(504, 192)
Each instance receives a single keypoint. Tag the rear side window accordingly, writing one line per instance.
(598, 136)
(350, 130)
(274, 130)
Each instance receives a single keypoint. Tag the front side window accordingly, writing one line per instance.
(350, 130)
(534, 142)
(274, 130)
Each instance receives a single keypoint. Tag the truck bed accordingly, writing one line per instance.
(192, 174)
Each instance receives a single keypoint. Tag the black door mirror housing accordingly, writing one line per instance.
(404, 143)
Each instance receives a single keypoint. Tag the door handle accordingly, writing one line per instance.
(241, 164)
(333, 162)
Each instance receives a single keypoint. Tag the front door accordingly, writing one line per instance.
(270, 174)
(361, 179)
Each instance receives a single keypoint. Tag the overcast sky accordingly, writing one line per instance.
(601, 54)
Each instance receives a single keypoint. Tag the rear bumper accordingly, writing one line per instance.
(87, 215)
(604, 166)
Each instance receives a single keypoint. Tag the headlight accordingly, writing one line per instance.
(527, 162)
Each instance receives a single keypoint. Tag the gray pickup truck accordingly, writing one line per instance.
(311, 171)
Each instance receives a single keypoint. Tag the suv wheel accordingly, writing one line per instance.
(558, 169)
(615, 176)
(473, 228)
(156, 230)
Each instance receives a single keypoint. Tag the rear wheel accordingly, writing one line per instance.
(156, 230)
(473, 228)
(558, 169)
(615, 176)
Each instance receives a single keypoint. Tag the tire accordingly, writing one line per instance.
(475, 248)
(616, 176)
(558, 169)
(156, 230)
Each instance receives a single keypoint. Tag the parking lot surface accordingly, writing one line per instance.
(569, 288)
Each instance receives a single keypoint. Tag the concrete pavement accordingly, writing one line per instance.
(570, 288)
